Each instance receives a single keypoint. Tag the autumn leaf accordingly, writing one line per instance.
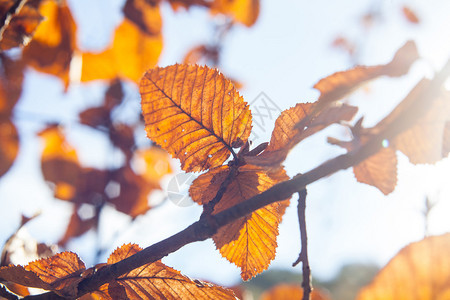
(156, 281)
(11, 78)
(286, 291)
(410, 15)
(194, 113)
(51, 49)
(145, 14)
(59, 273)
(421, 270)
(339, 84)
(77, 226)
(131, 53)
(243, 11)
(9, 145)
(286, 134)
(249, 242)
(156, 163)
(424, 142)
(19, 21)
(379, 170)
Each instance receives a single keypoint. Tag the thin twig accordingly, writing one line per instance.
(303, 257)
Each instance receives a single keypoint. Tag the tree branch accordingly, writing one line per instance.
(202, 229)
(303, 257)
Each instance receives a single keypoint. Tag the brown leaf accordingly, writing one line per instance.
(379, 170)
(157, 281)
(95, 117)
(338, 85)
(51, 49)
(243, 11)
(77, 226)
(410, 15)
(18, 22)
(11, 79)
(286, 134)
(9, 145)
(194, 113)
(59, 273)
(423, 143)
(249, 242)
(134, 190)
(421, 270)
(131, 53)
(122, 136)
(285, 291)
(145, 14)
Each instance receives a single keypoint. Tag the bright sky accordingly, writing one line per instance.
(283, 55)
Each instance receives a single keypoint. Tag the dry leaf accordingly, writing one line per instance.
(410, 15)
(51, 49)
(243, 11)
(421, 270)
(132, 52)
(249, 242)
(145, 14)
(290, 292)
(77, 226)
(194, 113)
(20, 21)
(286, 134)
(9, 145)
(338, 85)
(379, 170)
(59, 273)
(156, 281)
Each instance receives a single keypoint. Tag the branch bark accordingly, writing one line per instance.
(204, 229)
(303, 257)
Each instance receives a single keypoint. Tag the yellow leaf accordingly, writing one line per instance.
(194, 113)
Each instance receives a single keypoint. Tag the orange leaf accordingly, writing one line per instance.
(338, 85)
(157, 281)
(11, 79)
(20, 21)
(379, 170)
(410, 15)
(286, 135)
(59, 273)
(249, 242)
(421, 270)
(194, 113)
(243, 11)
(423, 143)
(132, 198)
(290, 292)
(145, 14)
(131, 53)
(156, 163)
(50, 51)
(9, 145)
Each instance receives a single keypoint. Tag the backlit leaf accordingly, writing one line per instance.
(410, 15)
(9, 145)
(379, 170)
(423, 143)
(131, 53)
(11, 78)
(339, 84)
(249, 242)
(243, 11)
(420, 271)
(59, 273)
(145, 14)
(51, 49)
(286, 135)
(290, 292)
(77, 226)
(20, 21)
(157, 281)
(156, 163)
(194, 113)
